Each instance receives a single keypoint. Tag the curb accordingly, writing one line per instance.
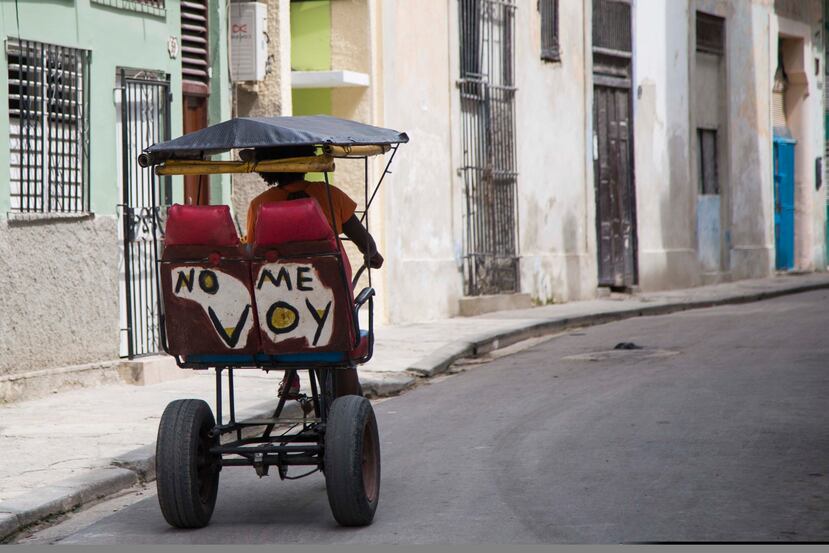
(138, 465)
(439, 360)
(126, 470)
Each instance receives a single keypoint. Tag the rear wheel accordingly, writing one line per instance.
(352, 461)
(187, 474)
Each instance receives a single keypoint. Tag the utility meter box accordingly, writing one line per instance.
(248, 41)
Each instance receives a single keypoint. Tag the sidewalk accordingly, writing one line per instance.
(75, 447)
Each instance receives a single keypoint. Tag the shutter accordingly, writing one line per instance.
(195, 61)
(710, 34)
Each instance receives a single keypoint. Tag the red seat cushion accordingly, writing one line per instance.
(200, 225)
(291, 221)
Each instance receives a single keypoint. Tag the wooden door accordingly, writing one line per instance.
(613, 176)
(196, 187)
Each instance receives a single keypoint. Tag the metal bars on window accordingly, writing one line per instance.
(145, 120)
(487, 92)
(48, 127)
(549, 30)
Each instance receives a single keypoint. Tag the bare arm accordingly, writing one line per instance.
(358, 234)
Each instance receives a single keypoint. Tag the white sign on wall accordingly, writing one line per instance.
(248, 41)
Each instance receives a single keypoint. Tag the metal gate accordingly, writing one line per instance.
(613, 143)
(145, 120)
(487, 93)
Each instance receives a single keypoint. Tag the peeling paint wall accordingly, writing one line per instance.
(665, 197)
(555, 190)
(665, 141)
(419, 68)
(799, 25)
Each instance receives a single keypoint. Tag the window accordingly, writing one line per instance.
(707, 147)
(549, 30)
(710, 34)
(48, 127)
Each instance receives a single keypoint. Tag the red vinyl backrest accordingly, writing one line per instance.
(291, 221)
(200, 225)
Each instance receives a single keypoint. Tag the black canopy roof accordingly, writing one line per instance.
(258, 132)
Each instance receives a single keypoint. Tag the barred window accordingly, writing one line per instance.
(549, 30)
(48, 127)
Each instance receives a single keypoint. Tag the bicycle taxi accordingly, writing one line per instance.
(284, 302)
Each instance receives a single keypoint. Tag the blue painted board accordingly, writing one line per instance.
(784, 202)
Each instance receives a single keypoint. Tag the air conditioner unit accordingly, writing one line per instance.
(248, 41)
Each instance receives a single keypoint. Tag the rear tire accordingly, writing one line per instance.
(352, 461)
(187, 474)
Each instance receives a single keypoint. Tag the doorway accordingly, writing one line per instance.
(613, 144)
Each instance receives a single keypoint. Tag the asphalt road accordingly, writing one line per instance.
(717, 430)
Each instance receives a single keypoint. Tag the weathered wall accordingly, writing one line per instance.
(799, 24)
(60, 293)
(418, 72)
(665, 141)
(750, 71)
(555, 190)
(665, 197)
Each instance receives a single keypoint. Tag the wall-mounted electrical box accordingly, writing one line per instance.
(248, 41)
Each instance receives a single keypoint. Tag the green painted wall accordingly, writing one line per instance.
(311, 51)
(140, 42)
(117, 37)
(219, 105)
(310, 35)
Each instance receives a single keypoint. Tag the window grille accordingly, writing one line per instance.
(195, 62)
(549, 30)
(708, 173)
(151, 3)
(48, 127)
(710, 34)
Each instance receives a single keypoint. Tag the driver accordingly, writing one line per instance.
(292, 186)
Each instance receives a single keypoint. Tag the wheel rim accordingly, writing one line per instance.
(370, 472)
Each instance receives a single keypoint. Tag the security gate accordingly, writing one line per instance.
(145, 120)
(613, 143)
(487, 95)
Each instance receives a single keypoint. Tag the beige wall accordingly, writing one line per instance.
(53, 317)
(555, 182)
(419, 211)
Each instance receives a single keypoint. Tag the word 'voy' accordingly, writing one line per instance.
(293, 303)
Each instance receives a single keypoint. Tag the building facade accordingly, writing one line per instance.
(85, 86)
(561, 149)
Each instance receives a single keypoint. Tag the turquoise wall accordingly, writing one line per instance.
(119, 33)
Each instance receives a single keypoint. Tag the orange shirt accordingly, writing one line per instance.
(343, 205)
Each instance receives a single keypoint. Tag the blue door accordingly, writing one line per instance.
(784, 202)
